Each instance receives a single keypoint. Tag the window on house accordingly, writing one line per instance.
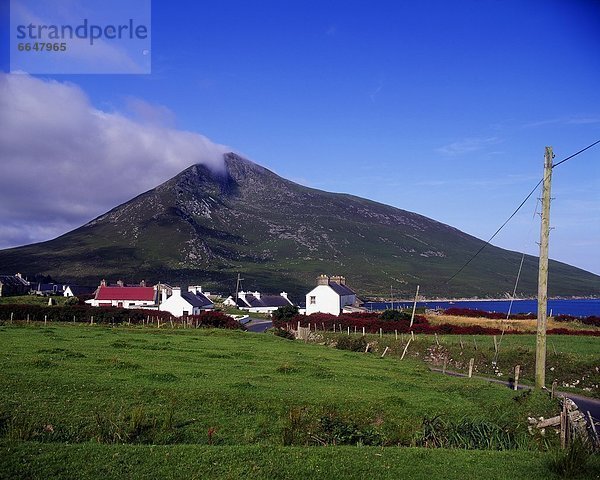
(313, 300)
(185, 312)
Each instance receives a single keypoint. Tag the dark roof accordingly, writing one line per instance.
(13, 280)
(241, 303)
(341, 290)
(81, 290)
(196, 299)
(48, 287)
(266, 301)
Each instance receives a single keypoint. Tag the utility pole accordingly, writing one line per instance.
(412, 317)
(540, 347)
(237, 288)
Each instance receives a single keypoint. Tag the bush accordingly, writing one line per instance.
(285, 313)
(394, 315)
(110, 315)
(354, 344)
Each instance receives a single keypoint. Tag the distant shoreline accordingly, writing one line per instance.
(430, 300)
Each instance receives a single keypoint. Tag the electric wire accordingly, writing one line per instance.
(575, 154)
(516, 211)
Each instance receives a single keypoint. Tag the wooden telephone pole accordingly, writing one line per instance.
(540, 351)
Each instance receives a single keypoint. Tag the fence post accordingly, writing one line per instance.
(471, 362)
(396, 333)
(348, 331)
(11, 317)
(475, 342)
(564, 423)
(517, 372)
(45, 319)
(363, 331)
(405, 348)
(385, 351)
(553, 392)
(380, 332)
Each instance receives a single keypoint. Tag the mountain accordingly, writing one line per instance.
(203, 227)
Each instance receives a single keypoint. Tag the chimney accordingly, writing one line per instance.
(120, 283)
(163, 294)
(103, 283)
(18, 275)
(337, 279)
(257, 295)
(176, 291)
(284, 295)
(143, 283)
(322, 280)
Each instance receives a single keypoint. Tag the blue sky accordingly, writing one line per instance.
(441, 108)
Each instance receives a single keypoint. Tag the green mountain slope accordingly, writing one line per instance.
(204, 227)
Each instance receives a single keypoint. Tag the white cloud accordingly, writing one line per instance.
(63, 162)
(467, 145)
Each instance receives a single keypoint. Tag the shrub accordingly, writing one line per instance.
(285, 313)
(354, 344)
(393, 315)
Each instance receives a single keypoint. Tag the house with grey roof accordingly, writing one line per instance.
(332, 296)
(184, 303)
(11, 285)
(256, 302)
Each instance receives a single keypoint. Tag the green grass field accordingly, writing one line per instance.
(573, 361)
(124, 403)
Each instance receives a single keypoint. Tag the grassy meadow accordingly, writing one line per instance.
(133, 402)
(573, 361)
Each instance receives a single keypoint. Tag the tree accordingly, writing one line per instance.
(285, 313)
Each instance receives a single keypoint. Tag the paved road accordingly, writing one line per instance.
(585, 404)
(258, 325)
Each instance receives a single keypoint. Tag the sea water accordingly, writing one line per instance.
(576, 308)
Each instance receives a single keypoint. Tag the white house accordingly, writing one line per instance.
(331, 295)
(181, 303)
(256, 302)
(124, 296)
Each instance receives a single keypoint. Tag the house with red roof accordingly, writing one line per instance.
(125, 296)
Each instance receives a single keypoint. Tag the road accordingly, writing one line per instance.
(258, 325)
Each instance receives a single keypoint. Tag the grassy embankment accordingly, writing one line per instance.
(91, 401)
(573, 361)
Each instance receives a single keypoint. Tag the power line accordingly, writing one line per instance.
(496, 233)
(575, 154)
(516, 211)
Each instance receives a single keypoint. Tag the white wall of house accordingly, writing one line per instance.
(322, 299)
(178, 306)
(121, 303)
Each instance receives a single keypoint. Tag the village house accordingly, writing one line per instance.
(256, 302)
(78, 291)
(45, 289)
(11, 285)
(125, 296)
(331, 295)
(179, 303)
